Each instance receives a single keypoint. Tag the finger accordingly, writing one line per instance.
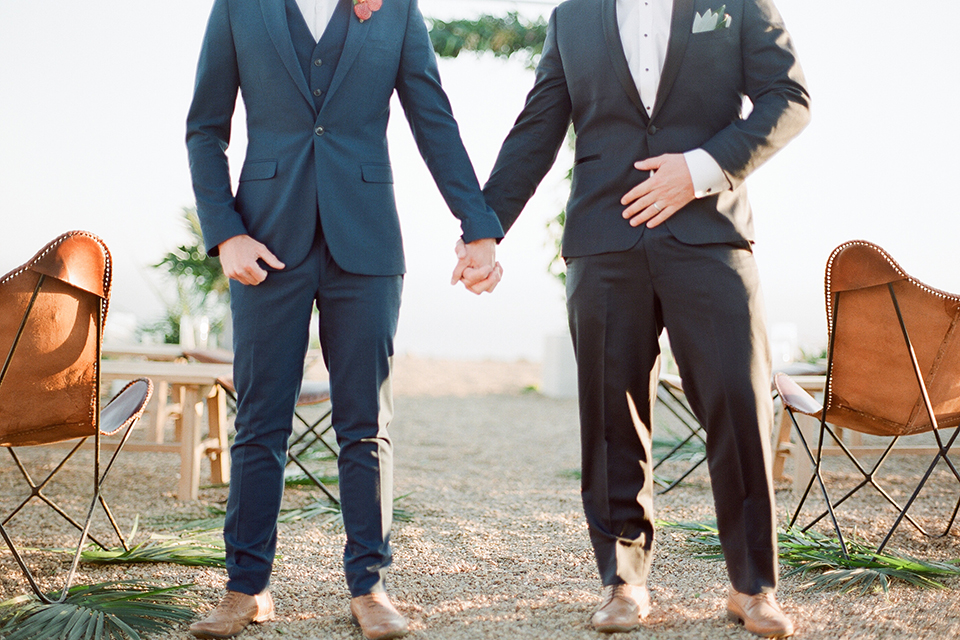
(460, 249)
(650, 164)
(661, 217)
(473, 275)
(649, 201)
(643, 216)
(497, 276)
(493, 280)
(486, 285)
(636, 193)
(489, 283)
(255, 274)
(271, 260)
(458, 270)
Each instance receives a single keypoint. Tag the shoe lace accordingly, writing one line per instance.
(611, 592)
(231, 601)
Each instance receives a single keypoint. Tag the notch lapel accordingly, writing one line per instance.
(275, 19)
(611, 33)
(356, 34)
(681, 24)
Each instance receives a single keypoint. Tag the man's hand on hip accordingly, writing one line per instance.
(239, 255)
(661, 195)
(477, 265)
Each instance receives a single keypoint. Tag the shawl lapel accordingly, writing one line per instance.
(611, 33)
(680, 27)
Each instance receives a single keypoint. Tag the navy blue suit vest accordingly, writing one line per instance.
(318, 59)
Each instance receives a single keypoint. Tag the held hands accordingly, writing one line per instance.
(239, 255)
(477, 265)
(661, 195)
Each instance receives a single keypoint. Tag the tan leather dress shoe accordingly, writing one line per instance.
(760, 614)
(234, 612)
(377, 618)
(622, 608)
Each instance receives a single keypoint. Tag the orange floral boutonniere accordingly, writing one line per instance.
(365, 8)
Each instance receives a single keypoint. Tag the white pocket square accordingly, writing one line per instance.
(711, 21)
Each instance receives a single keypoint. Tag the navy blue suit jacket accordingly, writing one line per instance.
(299, 161)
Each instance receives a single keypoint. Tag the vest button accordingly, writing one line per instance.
(318, 131)
(317, 92)
(317, 62)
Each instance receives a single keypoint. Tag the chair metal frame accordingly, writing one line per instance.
(669, 391)
(312, 435)
(787, 388)
(126, 423)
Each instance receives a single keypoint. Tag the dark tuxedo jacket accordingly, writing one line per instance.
(583, 76)
(301, 160)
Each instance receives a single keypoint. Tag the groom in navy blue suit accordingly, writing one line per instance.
(313, 222)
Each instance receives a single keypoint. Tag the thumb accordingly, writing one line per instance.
(460, 249)
(270, 259)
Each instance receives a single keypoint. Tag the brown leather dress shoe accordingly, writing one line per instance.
(377, 617)
(622, 608)
(234, 612)
(760, 614)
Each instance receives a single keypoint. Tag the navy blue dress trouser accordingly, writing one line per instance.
(708, 299)
(271, 321)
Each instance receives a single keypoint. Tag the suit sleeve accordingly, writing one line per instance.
(532, 145)
(437, 135)
(208, 131)
(775, 85)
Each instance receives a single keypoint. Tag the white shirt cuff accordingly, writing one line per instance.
(707, 176)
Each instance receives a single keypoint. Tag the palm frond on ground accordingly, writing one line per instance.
(105, 611)
(195, 549)
(819, 559)
(303, 480)
(689, 449)
(331, 514)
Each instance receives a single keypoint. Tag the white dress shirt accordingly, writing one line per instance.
(317, 14)
(645, 34)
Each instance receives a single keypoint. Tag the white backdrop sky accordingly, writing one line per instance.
(93, 98)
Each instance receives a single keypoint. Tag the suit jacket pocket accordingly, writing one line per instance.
(587, 158)
(379, 173)
(258, 170)
(713, 34)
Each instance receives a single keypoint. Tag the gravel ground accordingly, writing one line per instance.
(496, 547)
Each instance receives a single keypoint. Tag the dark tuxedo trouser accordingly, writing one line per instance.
(708, 299)
(358, 321)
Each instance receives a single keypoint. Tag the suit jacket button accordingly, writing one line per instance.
(318, 131)
(652, 129)
(318, 62)
(317, 92)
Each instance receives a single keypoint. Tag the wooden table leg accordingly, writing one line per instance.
(783, 448)
(161, 413)
(191, 450)
(217, 424)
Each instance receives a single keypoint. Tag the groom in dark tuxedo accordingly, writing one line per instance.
(313, 223)
(658, 236)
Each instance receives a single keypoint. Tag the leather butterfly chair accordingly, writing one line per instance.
(893, 370)
(52, 311)
(309, 432)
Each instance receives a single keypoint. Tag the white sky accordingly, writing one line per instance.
(93, 98)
